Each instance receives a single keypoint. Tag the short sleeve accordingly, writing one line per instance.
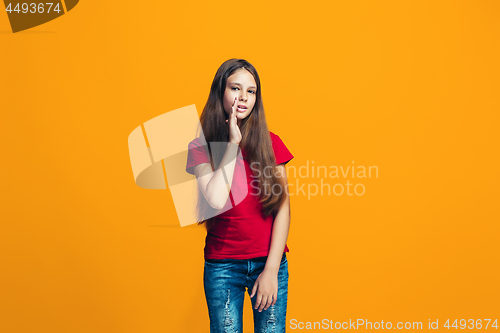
(281, 152)
(197, 154)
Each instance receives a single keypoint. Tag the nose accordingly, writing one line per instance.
(243, 96)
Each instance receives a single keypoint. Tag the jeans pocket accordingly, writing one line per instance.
(219, 264)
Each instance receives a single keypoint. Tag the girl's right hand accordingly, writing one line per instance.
(234, 130)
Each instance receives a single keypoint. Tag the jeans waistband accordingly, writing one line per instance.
(259, 259)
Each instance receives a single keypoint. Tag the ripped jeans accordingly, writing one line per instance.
(225, 282)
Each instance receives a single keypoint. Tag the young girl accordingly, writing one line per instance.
(244, 204)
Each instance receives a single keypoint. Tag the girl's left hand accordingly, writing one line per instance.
(266, 287)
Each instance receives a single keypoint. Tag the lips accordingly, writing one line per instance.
(242, 108)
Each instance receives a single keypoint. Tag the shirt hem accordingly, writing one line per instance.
(238, 256)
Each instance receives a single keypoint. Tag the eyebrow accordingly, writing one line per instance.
(238, 84)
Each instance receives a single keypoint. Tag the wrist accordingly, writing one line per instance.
(271, 270)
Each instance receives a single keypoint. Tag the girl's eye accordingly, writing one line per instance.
(250, 91)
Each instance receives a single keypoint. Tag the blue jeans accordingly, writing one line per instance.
(225, 281)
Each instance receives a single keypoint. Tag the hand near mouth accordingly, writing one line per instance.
(234, 130)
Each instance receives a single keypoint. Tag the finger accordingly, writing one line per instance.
(233, 111)
(254, 290)
(263, 304)
(258, 301)
(269, 302)
(275, 298)
(235, 106)
(266, 304)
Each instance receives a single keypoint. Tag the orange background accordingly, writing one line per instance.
(409, 87)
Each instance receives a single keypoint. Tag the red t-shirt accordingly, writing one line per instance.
(242, 232)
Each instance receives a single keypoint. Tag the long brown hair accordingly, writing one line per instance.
(255, 140)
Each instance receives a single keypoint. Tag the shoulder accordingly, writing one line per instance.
(197, 147)
(275, 139)
(281, 151)
(278, 144)
(196, 143)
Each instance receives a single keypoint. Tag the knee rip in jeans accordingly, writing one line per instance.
(228, 321)
(271, 320)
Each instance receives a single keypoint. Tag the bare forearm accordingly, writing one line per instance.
(278, 241)
(217, 188)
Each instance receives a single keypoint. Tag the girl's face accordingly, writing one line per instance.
(240, 85)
